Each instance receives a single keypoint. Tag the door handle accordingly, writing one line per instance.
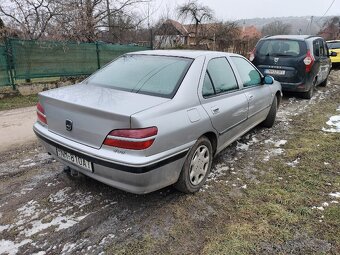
(215, 110)
(251, 97)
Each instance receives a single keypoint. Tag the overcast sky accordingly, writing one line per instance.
(245, 9)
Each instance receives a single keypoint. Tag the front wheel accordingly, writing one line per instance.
(270, 120)
(196, 167)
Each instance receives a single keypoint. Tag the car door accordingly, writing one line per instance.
(222, 99)
(259, 96)
(321, 62)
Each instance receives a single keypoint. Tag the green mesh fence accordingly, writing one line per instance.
(4, 77)
(108, 52)
(36, 59)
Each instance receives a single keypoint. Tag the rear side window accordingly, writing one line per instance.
(145, 74)
(249, 75)
(281, 47)
(219, 77)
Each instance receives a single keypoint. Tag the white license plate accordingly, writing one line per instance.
(275, 72)
(83, 163)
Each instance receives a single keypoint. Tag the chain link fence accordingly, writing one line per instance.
(25, 60)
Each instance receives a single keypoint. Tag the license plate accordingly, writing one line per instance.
(275, 72)
(83, 163)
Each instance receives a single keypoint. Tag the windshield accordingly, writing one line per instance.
(333, 45)
(145, 74)
(281, 47)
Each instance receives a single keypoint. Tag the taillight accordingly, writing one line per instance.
(252, 55)
(41, 114)
(309, 61)
(132, 139)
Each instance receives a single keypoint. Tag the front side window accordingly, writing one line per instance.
(219, 77)
(145, 74)
(333, 45)
(249, 75)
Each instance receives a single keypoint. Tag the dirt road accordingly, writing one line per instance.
(45, 211)
(16, 127)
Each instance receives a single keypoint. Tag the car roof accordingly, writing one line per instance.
(333, 41)
(183, 53)
(292, 37)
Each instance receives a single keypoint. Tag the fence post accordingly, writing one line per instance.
(98, 56)
(10, 62)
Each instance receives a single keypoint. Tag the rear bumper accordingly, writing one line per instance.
(135, 178)
(295, 87)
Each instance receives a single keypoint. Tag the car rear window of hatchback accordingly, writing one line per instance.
(144, 74)
(282, 48)
(333, 45)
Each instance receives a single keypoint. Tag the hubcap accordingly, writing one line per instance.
(199, 165)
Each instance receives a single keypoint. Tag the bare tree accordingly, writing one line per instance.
(226, 34)
(197, 13)
(331, 29)
(31, 17)
(81, 20)
(276, 28)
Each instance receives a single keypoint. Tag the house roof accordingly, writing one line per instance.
(250, 32)
(169, 25)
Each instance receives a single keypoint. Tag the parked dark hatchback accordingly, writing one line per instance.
(298, 62)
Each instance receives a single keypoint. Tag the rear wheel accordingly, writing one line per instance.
(324, 83)
(270, 120)
(196, 167)
(310, 92)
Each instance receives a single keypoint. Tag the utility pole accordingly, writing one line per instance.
(150, 29)
(109, 20)
(311, 23)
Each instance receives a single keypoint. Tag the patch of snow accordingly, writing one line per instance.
(28, 165)
(242, 146)
(294, 163)
(68, 247)
(334, 202)
(325, 204)
(335, 194)
(279, 143)
(106, 239)
(10, 247)
(61, 222)
(4, 227)
(244, 186)
(60, 196)
(273, 152)
(40, 253)
(334, 123)
(326, 163)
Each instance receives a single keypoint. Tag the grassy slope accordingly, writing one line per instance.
(17, 102)
(273, 215)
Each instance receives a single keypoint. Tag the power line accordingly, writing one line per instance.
(327, 10)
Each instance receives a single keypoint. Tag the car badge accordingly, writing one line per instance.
(69, 125)
(276, 60)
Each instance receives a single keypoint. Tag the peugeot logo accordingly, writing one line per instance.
(276, 60)
(69, 125)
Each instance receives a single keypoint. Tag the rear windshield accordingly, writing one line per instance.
(333, 45)
(281, 47)
(145, 74)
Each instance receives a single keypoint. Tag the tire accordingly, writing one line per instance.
(270, 120)
(309, 93)
(324, 83)
(196, 167)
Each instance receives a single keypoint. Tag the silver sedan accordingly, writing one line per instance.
(155, 118)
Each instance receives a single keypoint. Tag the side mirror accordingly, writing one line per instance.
(333, 54)
(268, 80)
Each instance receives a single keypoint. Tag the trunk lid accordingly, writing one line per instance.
(93, 110)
